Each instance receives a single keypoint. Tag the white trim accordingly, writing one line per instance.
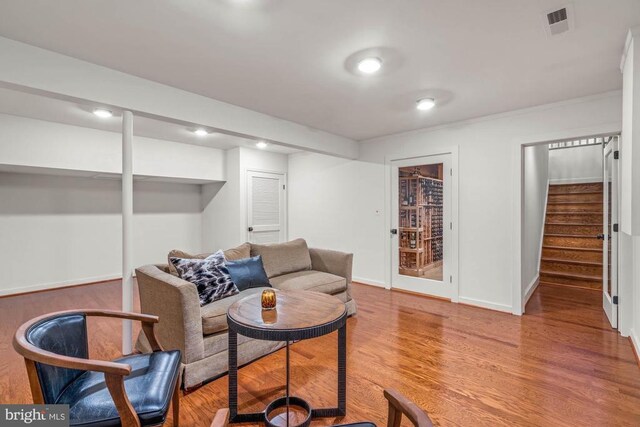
(587, 180)
(631, 34)
(530, 290)
(486, 304)
(544, 223)
(635, 341)
(55, 285)
(455, 196)
(370, 282)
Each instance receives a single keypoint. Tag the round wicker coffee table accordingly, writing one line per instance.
(298, 315)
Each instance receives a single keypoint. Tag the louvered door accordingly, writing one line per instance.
(265, 207)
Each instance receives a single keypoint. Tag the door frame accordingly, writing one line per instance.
(454, 264)
(517, 179)
(247, 195)
(610, 308)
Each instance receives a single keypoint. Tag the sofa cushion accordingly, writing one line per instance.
(283, 258)
(210, 275)
(239, 252)
(214, 315)
(311, 280)
(248, 273)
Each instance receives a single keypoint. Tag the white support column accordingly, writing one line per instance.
(127, 228)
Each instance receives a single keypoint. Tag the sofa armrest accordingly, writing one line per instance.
(334, 262)
(176, 303)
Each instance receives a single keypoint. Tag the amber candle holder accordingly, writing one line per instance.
(268, 299)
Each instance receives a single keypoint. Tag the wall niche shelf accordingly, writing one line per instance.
(100, 174)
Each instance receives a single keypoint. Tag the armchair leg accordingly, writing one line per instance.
(175, 403)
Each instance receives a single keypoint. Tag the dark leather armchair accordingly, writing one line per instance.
(131, 391)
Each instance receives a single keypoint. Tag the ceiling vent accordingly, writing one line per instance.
(558, 21)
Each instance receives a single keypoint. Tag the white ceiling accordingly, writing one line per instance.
(55, 110)
(292, 58)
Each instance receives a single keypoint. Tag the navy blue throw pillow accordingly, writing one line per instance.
(248, 273)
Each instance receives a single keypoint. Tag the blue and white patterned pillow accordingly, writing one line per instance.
(210, 275)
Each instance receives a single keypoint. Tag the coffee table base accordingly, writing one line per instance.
(259, 417)
(339, 411)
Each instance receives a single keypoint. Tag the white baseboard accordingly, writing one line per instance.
(369, 281)
(486, 304)
(54, 285)
(635, 341)
(531, 288)
(587, 180)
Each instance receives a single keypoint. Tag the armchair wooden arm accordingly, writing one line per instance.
(399, 405)
(221, 418)
(114, 371)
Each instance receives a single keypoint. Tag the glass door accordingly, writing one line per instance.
(421, 209)
(610, 241)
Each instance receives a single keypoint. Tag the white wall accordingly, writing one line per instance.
(536, 170)
(487, 165)
(338, 204)
(59, 230)
(629, 238)
(576, 164)
(224, 219)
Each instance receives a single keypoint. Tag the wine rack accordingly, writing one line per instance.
(420, 224)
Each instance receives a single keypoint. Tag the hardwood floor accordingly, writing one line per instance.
(558, 365)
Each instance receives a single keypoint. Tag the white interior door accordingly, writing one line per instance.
(610, 241)
(266, 204)
(421, 225)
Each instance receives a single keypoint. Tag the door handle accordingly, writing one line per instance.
(600, 236)
(250, 229)
(394, 231)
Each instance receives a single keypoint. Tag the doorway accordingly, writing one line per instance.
(421, 225)
(266, 207)
(569, 225)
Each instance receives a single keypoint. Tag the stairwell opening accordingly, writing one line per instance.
(564, 255)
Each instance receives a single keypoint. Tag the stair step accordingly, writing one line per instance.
(575, 207)
(573, 217)
(573, 261)
(573, 203)
(599, 224)
(575, 188)
(577, 236)
(576, 269)
(575, 254)
(572, 228)
(570, 197)
(569, 248)
(571, 280)
(567, 281)
(572, 241)
(562, 274)
(571, 286)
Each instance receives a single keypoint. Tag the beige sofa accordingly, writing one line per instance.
(201, 332)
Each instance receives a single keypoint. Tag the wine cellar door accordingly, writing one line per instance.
(421, 225)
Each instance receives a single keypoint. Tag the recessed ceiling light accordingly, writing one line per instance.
(201, 132)
(261, 145)
(102, 113)
(370, 65)
(425, 104)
